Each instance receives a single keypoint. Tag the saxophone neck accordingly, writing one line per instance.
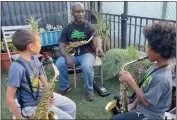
(133, 61)
(125, 64)
(56, 73)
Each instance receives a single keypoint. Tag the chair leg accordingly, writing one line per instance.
(165, 117)
(101, 74)
(75, 77)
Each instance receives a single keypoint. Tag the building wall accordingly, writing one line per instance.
(16, 13)
(54, 13)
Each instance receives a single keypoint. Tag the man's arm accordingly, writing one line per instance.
(63, 41)
(11, 102)
(98, 46)
(63, 51)
(97, 42)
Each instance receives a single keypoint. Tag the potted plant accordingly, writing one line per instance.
(49, 27)
(5, 61)
(34, 23)
(51, 35)
(50, 38)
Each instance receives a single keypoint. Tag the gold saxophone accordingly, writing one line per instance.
(42, 108)
(71, 47)
(123, 104)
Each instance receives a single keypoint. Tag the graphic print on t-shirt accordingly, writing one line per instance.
(35, 81)
(77, 34)
(148, 78)
(147, 81)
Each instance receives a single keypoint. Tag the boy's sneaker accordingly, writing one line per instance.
(91, 96)
(65, 91)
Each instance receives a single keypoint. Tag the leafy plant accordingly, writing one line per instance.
(2, 46)
(49, 27)
(101, 27)
(58, 27)
(34, 23)
(12, 48)
(133, 52)
(115, 58)
(41, 30)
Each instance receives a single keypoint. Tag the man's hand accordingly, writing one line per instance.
(70, 62)
(99, 52)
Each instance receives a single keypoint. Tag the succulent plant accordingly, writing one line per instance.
(34, 23)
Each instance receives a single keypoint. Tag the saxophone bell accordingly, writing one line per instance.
(52, 115)
(112, 107)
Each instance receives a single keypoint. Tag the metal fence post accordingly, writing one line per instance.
(124, 26)
(164, 9)
(69, 11)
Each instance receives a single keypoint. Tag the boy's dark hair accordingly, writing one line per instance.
(162, 39)
(22, 37)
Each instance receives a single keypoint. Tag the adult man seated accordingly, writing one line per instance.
(78, 30)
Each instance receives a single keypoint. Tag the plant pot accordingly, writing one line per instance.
(5, 61)
(50, 37)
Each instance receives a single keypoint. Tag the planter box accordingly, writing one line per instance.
(50, 37)
(5, 61)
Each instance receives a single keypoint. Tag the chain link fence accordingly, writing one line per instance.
(171, 11)
(113, 7)
(139, 14)
(160, 10)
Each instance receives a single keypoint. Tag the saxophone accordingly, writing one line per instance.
(118, 107)
(42, 108)
(71, 47)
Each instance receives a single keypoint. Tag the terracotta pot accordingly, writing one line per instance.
(5, 61)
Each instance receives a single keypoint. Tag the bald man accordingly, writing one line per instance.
(79, 30)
